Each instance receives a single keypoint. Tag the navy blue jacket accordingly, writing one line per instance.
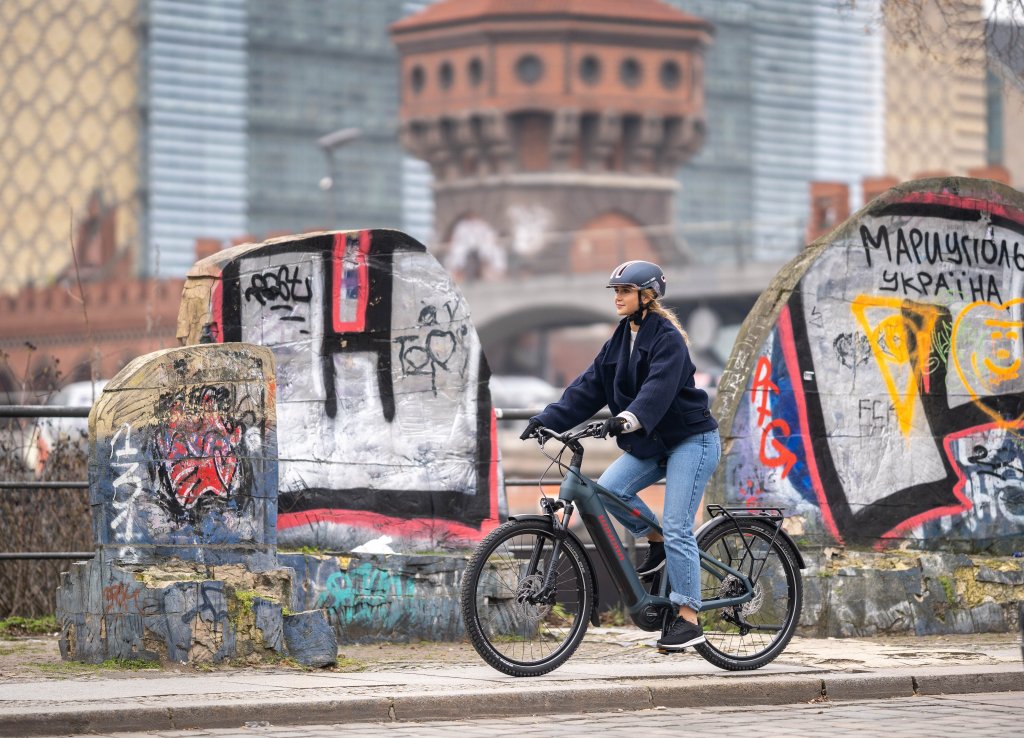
(655, 383)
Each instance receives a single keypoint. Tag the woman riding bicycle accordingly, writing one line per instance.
(644, 374)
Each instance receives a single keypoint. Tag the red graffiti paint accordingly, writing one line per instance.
(117, 597)
(750, 495)
(963, 503)
(762, 382)
(967, 203)
(785, 328)
(761, 390)
(200, 451)
(783, 456)
(351, 284)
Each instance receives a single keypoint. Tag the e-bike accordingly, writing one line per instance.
(530, 590)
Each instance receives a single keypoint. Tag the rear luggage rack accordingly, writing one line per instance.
(772, 513)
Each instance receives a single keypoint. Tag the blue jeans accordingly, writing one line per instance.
(688, 468)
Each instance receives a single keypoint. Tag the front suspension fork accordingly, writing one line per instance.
(551, 507)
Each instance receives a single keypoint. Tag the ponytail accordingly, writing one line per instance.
(667, 313)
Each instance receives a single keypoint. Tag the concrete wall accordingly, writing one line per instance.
(876, 391)
(855, 594)
(384, 414)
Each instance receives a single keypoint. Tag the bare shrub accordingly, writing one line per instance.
(39, 520)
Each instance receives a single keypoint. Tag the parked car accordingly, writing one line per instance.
(75, 430)
(521, 391)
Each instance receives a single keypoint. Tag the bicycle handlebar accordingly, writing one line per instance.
(591, 430)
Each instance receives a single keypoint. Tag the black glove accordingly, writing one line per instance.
(531, 430)
(612, 427)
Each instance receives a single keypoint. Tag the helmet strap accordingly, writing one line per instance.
(638, 316)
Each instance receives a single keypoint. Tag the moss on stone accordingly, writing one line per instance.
(974, 593)
(240, 611)
(949, 588)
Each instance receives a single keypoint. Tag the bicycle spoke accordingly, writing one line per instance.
(515, 624)
(752, 633)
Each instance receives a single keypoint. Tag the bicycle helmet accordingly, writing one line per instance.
(639, 274)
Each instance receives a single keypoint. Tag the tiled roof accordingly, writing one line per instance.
(461, 11)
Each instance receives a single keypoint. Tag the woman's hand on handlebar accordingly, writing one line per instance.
(531, 430)
(612, 427)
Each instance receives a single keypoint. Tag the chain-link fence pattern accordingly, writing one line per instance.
(935, 88)
(69, 128)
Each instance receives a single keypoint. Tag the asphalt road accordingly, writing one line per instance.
(929, 717)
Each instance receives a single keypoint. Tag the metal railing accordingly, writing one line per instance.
(43, 411)
(56, 411)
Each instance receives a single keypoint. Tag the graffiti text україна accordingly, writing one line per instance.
(914, 246)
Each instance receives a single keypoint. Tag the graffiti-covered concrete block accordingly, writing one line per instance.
(310, 638)
(877, 390)
(270, 623)
(371, 598)
(384, 414)
(183, 458)
(184, 612)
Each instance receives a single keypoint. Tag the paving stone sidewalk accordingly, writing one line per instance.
(616, 668)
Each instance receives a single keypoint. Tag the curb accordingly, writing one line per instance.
(546, 697)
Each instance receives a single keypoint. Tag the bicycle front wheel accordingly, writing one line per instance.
(516, 626)
(750, 635)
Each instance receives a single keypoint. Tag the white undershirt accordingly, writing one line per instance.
(632, 424)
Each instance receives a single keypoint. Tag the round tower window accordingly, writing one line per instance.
(529, 69)
(417, 78)
(670, 75)
(590, 70)
(476, 72)
(630, 72)
(446, 75)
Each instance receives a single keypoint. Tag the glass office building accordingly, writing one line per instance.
(715, 209)
(195, 131)
(417, 179)
(849, 96)
(793, 94)
(238, 94)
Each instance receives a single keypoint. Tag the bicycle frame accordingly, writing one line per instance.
(647, 610)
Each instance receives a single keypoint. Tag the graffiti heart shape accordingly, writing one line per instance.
(200, 457)
(987, 346)
(441, 346)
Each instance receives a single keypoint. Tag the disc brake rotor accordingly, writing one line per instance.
(529, 587)
(732, 587)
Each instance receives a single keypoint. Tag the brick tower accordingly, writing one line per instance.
(553, 130)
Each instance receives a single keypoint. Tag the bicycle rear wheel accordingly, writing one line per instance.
(750, 635)
(512, 624)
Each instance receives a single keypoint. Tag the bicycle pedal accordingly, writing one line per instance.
(667, 652)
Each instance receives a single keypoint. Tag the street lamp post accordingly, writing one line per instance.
(328, 143)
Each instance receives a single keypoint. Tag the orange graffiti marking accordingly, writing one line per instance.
(901, 341)
(762, 383)
(117, 597)
(995, 361)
